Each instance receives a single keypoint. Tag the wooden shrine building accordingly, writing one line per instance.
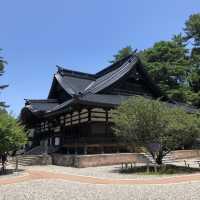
(76, 116)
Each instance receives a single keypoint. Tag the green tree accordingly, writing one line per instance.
(12, 134)
(192, 29)
(170, 66)
(174, 65)
(2, 66)
(155, 126)
(124, 52)
(192, 33)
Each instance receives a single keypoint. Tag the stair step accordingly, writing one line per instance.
(25, 160)
(167, 159)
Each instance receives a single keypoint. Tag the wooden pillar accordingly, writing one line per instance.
(79, 117)
(85, 149)
(118, 149)
(67, 150)
(70, 125)
(89, 124)
(75, 150)
(79, 124)
(89, 115)
(102, 149)
(106, 131)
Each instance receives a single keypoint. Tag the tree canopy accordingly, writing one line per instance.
(12, 134)
(153, 124)
(168, 64)
(192, 29)
(2, 66)
(124, 52)
(174, 65)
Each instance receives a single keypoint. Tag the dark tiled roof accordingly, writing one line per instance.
(92, 99)
(113, 100)
(75, 83)
(71, 84)
(111, 77)
(60, 106)
(67, 72)
(112, 67)
(36, 105)
(84, 88)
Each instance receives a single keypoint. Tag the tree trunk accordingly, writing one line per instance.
(159, 158)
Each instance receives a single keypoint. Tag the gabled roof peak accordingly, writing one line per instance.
(68, 72)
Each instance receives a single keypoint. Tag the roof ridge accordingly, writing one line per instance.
(42, 100)
(102, 80)
(112, 66)
(64, 71)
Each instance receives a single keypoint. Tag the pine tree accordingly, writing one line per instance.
(2, 67)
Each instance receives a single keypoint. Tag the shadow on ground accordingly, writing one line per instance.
(9, 172)
(166, 169)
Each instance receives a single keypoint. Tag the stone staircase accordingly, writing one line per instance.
(149, 157)
(168, 159)
(28, 160)
(41, 150)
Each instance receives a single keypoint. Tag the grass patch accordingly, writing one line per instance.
(161, 170)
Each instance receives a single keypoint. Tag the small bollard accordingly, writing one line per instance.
(147, 167)
(185, 163)
(16, 164)
(155, 168)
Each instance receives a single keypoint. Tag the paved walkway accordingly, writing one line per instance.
(37, 175)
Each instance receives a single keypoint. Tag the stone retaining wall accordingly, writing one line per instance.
(97, 159)
(113, 159)
(63, 160)
(102, 159)
(183, 154)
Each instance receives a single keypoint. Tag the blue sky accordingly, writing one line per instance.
(37, 35)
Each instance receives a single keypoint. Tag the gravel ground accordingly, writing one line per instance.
(64, 190)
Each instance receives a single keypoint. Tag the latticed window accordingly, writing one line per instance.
(67, 120)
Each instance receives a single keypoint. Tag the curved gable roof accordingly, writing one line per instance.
(111, 77)
(71, 84)
(75, 83)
